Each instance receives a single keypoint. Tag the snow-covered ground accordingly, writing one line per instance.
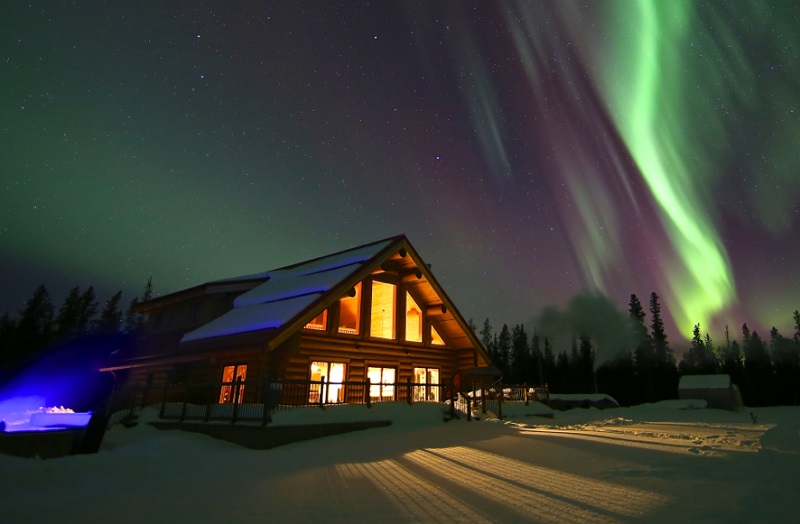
(656, 463)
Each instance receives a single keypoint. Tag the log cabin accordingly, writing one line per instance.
(373, 312)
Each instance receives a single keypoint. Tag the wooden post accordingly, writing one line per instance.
(367, 397)
(185, 401)
(525, 393)
(236, 385)
(469, 408)
(483, 399)
(452, 400)
(322, 392)
(163, 401)
(500, 400)
(209, 396)
(266, 416)
(409, 398)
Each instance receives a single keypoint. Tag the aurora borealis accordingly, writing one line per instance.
(529, 150)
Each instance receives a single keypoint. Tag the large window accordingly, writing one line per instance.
(331, 376)
(319, 323)
(231, 376)
(382, 315)
(381, 383)
(426, 384)
(413, 320)
(350, 312)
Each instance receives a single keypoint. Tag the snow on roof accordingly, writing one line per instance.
(252, 318)
(705, 382)
(286, 293)
(287, 284)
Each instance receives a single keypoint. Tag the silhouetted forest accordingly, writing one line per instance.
(39, 326)
(640, 370)
(644, 369)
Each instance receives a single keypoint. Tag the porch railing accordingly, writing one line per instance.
(257, 400)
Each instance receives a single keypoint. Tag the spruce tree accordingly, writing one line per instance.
(520, 355)
(536, 367)
(643, 353)
(503, 352)
(110, 320)
(665, 373)
(34, 329)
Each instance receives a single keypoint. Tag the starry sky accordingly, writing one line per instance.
(530, 151)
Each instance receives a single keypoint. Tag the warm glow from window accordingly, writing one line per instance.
(426, 381)
(382, 319)
(232, 374)
(350, 312)
(381, 382)
(413, 320)
(333, 374)
(319, 323)
(436, 340)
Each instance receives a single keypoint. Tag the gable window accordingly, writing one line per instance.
(426, 382)
(327, 382)
(231, 376)
(382, 315)
(350, 312)
(413, 320)
(436, 339)
(381, 383)
(319, 323)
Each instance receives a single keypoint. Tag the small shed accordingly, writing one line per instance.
(716, 390)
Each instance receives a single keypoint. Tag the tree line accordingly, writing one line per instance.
(644, 369)
(40, 326)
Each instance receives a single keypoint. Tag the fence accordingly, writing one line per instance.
(257, 400)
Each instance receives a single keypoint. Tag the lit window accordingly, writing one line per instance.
(413, 320)
(231, 376)
(383, 299)
(319, 323)
(327, 382)
(350, 312)
(426, 384)
(381, 383)
(436, 339)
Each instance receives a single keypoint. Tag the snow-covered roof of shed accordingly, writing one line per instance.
(286, 292)
(704, 382)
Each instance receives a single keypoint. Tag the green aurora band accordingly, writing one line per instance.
(653, 118)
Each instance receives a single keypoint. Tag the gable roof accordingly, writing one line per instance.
(289, 291)
(293, 295)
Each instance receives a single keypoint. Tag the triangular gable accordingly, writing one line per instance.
(287, 292)
(293, 295)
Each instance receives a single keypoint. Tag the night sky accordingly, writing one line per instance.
(530, 151)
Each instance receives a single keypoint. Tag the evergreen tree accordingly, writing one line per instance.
(548, 363)
(643, 353)
(486, 335)
(87, 311)
(503, 351)
(110, 320)
(520, 355)
(758, 369)
(665, 373)
(731, 360)
(134, 321)
(786, 363)
(34, 328)
(8, 328)
(796, 325)
(68, 317)
(535, 373)
(699, 360)
(585, 365)
(561, 377)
